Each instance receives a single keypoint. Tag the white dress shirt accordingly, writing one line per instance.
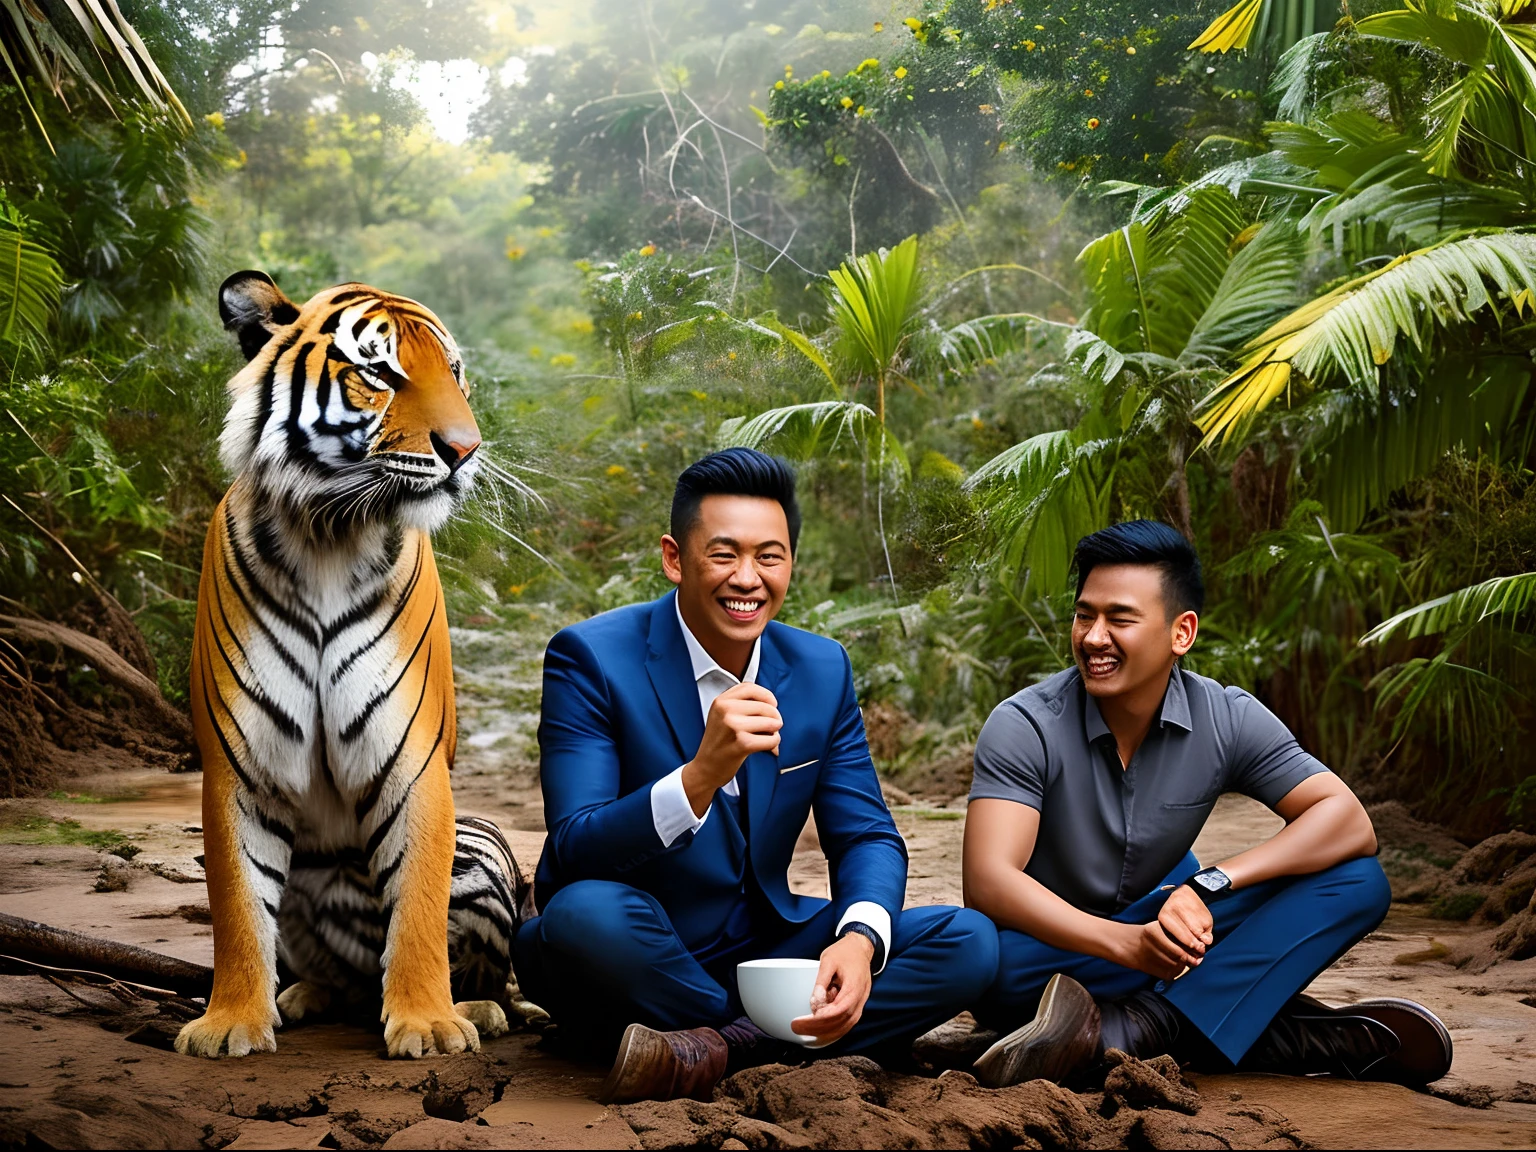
(672, 813)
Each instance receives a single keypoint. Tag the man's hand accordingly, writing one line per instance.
(742, 720)
(842, 988)
(1186, 918)
(1171, 943)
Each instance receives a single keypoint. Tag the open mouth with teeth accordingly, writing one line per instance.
(1100, 666)
(741, 609)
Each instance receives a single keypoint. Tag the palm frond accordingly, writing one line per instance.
(1261, 282)
(1232, 29)
(31, 283)
(875, 301)
(1504, 598)
(985, 337)
(1354, 328)
(819, 429)
(1295, 76)
(1363, 448)
(1041, 497)
(31, 46)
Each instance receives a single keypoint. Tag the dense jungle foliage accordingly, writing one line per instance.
(994, 273)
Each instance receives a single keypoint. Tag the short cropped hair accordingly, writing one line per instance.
(1152, 543)
(734, 472)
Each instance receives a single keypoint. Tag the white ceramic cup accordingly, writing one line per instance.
(774, 992)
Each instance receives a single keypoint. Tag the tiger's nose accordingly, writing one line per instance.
(454, 452)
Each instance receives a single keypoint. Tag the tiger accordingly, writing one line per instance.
(322, 685)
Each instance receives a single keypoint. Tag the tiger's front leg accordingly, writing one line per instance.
(412, 858)
(246, 861)
(247, 839)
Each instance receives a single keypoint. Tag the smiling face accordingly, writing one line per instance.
(1122, 637)
(732, 569)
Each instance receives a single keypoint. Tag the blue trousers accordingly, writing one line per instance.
(604, 955)
(1272, 940)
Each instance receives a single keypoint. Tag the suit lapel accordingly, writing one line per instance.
(762, 768)
(671, 674)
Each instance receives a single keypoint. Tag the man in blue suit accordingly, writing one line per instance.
(683, 744)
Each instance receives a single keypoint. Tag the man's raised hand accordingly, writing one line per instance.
(742, 720)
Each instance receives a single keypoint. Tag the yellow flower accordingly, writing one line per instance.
(900, 73)
(1130, 51)
(562, 360)
(515, 589)
(868, 62)
(637, 315)
(913, 23)
(846, 102)
(1039, 27)
(617, 469)
(648, 250)
(826, 74)
(536, 352)
(860, 112)
(1088, 92)
(730, 355)
(697, 395)
(216, 119)
(789, 71)
(779, 84)
(515, 251)
(1029, 45)
(1093, 121)
(985, 109)
(879, 27)
(584, 326)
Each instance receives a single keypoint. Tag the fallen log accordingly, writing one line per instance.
(108, 664)
(61, 948)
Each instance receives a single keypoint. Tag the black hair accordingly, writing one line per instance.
(1152, 543)
(735, 472)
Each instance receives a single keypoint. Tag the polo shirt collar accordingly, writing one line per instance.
(703, 663)
(1175, 709)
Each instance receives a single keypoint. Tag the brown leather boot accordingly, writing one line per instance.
(1057, 1044)
(654, 1065)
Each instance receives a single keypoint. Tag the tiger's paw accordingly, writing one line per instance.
(218, 1034)
(486, 1015)
(530, 1013)
(302, 1000)
(416, 1035)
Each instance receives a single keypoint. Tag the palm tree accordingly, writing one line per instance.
(35, 44)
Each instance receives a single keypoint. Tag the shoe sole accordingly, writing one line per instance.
(609, 1092)
(1394, 1012)
(1058, 1043)
(1400, 1015)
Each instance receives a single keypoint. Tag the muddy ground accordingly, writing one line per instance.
(84, 1069)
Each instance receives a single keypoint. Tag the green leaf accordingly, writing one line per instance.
(1504, 598)
(30, 286)
(811, 431)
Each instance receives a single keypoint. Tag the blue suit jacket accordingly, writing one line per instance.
(621, 710)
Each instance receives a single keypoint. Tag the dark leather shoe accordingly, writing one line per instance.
(1392, 1040)
(654, 1065)
(1059, 1042)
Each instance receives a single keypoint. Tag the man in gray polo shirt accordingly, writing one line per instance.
(1089, 791)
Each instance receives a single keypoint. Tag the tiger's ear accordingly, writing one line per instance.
(253, 308)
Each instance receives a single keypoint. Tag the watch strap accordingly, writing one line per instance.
(877, 961)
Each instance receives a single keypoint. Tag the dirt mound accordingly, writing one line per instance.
(852, 1103)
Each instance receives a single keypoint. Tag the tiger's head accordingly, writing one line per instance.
(353, 408)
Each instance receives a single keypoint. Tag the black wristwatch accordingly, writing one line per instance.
(1210, 884)
(877, 961)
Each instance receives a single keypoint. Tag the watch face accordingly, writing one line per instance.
(1210, 881)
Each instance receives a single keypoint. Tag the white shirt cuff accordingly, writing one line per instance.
(670, 810)
(865, 912)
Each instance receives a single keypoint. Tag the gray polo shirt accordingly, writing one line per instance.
(1109, 835)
